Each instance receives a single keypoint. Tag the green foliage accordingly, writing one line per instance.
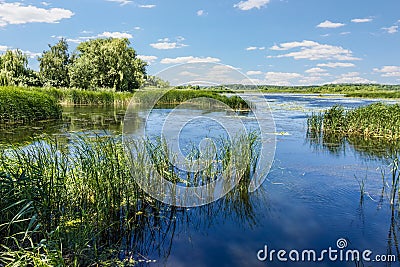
(106, 63)
(154, 81)
(372, 121)
(71, 203)
(177, 96)
(14, 70)
(87, 97)
(23, 106)
(375, 94)
(54, 65)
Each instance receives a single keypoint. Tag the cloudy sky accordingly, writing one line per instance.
(282, 42)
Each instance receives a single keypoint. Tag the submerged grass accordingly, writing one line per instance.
(71, 203)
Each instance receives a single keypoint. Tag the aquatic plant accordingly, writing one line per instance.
(73, 201)
(376, 120)
(175, 96)
(21, 106)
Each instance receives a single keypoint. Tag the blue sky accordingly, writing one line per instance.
(282, 42)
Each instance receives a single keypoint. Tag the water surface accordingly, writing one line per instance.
(310, 199)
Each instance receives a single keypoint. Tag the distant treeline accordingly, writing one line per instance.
(327, 88)
(349, 90)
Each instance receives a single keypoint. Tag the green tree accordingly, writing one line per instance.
(54, 65)
(106, 63)
(154, 81)
(14, 70)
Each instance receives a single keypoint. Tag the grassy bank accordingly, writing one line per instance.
(22, 106)
(372, 121)
(72, 202)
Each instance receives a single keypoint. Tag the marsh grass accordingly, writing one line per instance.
(73, 202)
(372, 121)
(374, 94)
(73, 96)
(174, 97)
(21, 106)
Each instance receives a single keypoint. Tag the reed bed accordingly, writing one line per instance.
(372, 121)
(73, 96)
(375, 94)
(21, 106)
(175, 97)
(72, 203)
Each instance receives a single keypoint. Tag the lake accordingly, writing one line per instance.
(309, 200)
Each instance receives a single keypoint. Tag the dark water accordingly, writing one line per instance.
(311, 197)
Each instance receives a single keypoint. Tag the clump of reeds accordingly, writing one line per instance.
(175, 96)
(71, 202)
(21, 106)
(372, 121)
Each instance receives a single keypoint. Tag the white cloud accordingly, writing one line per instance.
(389, 71)
(81, 39)
(16, 13)
(314, 51)
(166, 43)
(315, 71)
(188, 73)
(148, 59)
(137, 28)
(147, 6)
(252, 48)
(345, 33)
(115, 35)
(336, 65)
(201, 13)
(250, 4)
(330, 24)
(189, 59)
(392, 29)
(45, 3)
(31, 54)
(3, 48)
(74, 40)
(351, 77)
(311, 80)
(281, 78)
(361, 20)
(121, 2)
(291, 45)
(254, 72)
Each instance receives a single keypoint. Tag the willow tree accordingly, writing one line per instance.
(13, 67)
(106, 63)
